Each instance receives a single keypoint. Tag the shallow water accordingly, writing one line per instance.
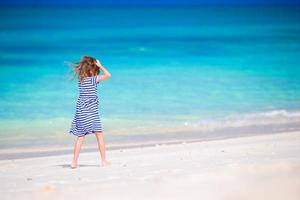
(174, 69)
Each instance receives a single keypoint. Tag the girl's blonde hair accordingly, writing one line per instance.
(86, 67)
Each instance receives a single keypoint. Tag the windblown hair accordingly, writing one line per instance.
(85, 68)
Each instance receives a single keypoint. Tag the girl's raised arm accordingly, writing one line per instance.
(105, 74)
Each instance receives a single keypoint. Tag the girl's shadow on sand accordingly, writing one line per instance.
(80, 165)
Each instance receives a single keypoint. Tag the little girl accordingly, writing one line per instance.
(87, 119)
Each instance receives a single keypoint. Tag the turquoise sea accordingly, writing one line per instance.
(176, 71)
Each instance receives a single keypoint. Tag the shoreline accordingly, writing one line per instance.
(170, 139)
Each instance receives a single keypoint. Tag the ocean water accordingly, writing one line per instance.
(174, 70)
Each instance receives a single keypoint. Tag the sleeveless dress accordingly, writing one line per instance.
(87, 118)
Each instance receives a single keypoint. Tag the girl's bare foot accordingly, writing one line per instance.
(73, 165)
(105, 163)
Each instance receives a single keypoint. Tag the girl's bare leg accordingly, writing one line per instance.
(101, 146)
(77, 148)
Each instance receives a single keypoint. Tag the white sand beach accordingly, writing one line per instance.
(257, 167)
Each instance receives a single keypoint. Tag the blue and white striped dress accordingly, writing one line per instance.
(87, 119)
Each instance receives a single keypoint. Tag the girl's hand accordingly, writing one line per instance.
(98, 63)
